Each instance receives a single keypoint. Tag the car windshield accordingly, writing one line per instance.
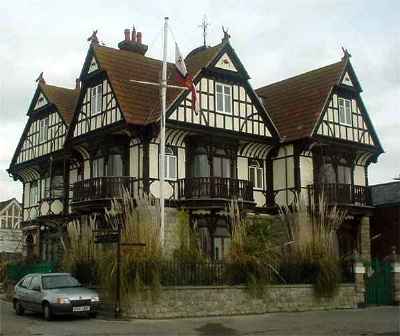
(59, 281)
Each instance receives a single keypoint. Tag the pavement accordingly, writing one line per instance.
(370, 321)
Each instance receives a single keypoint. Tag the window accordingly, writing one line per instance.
(45, 187)
(221, 166)
(115, 165)
(224, 98)
(33, 196)
(256, 173)
(26, 282)
(170, 164)
(98, 167)
(344, 111)
(96, 99)
(43, 128)
(35, 283)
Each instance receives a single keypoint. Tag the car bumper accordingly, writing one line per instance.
(67, 308)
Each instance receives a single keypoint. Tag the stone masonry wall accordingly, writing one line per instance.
(214, 301)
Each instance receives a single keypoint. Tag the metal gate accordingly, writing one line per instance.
(379, 283)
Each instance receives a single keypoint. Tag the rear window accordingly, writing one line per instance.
(59, 281)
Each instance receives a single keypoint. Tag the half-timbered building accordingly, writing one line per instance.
(261, 147)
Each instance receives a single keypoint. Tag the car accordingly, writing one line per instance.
(54, 294)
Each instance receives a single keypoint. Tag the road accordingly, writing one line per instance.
(377, 321)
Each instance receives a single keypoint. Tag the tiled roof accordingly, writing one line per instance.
(295, 104)
(64, 99)
(140, 103)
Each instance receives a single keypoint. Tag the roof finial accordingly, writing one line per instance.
(204, 26)
(346, 53)
(40, 79)
(93, 38)
(226, 34)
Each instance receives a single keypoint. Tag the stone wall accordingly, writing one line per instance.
(214, 301)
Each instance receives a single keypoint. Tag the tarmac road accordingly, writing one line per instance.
(372, 321)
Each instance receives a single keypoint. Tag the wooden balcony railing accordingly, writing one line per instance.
(215, 187)
(101, 188)
(337, 193)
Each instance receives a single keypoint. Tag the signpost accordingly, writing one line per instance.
(106, 236)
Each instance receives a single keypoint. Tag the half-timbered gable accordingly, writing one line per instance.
(49, 115)
(227, 101)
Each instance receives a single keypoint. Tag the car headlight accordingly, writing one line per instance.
(63, 300)
(94, 299)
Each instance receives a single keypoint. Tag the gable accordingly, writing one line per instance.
(43, 135)
(98, 108)
(225, 63)
(246, 115)
(350, 123)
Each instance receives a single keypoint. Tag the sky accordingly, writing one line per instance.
(273, 39)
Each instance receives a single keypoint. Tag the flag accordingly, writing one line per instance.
(185, 79)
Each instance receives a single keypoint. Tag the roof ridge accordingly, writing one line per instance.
(300, 75)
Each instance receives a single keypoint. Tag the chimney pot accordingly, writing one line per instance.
(133, 39)
(127, 34)
(139, 37)
(77, 83)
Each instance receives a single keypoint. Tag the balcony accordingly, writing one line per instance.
(214, 191)
(341, 194)
(99, 191)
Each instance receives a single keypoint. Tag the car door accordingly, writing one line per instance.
(35, 294)
(21, 291)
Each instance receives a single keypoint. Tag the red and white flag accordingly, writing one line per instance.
(185, 79)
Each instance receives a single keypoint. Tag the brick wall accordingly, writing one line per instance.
(214, 301)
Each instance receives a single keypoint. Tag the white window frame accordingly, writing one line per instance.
(222, 96)
(169, 156)
(96, 100)
(255, 165)
(43, 130)
(345, 105)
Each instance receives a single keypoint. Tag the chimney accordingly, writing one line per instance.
(133, 42)
(127, 34)
(77, 84)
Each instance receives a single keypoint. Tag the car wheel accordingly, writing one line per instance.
(93, 315)
(19, 310)
(47, 312)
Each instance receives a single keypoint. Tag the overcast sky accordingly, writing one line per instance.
(274, 40)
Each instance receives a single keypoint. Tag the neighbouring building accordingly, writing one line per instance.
(10, 227)
(385, 222)
(264, 147)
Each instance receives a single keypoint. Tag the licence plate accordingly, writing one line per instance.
(80, 309)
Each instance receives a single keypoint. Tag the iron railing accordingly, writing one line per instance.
(215, 187)
(338, 193)
(101, 188)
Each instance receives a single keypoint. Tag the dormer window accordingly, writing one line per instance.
(43, 128)
(223, 98)
(96, 99)
(344, 111)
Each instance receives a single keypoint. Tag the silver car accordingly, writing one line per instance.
(54, 294)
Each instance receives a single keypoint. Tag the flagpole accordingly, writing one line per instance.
(162, 131)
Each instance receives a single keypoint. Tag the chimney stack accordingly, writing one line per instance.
(127, 34)
(77, 84)
(133, 42)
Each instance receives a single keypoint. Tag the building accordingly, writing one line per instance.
(10, 227)
(385, 222)
(264, 147)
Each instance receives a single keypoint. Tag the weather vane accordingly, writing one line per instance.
(204, 26)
